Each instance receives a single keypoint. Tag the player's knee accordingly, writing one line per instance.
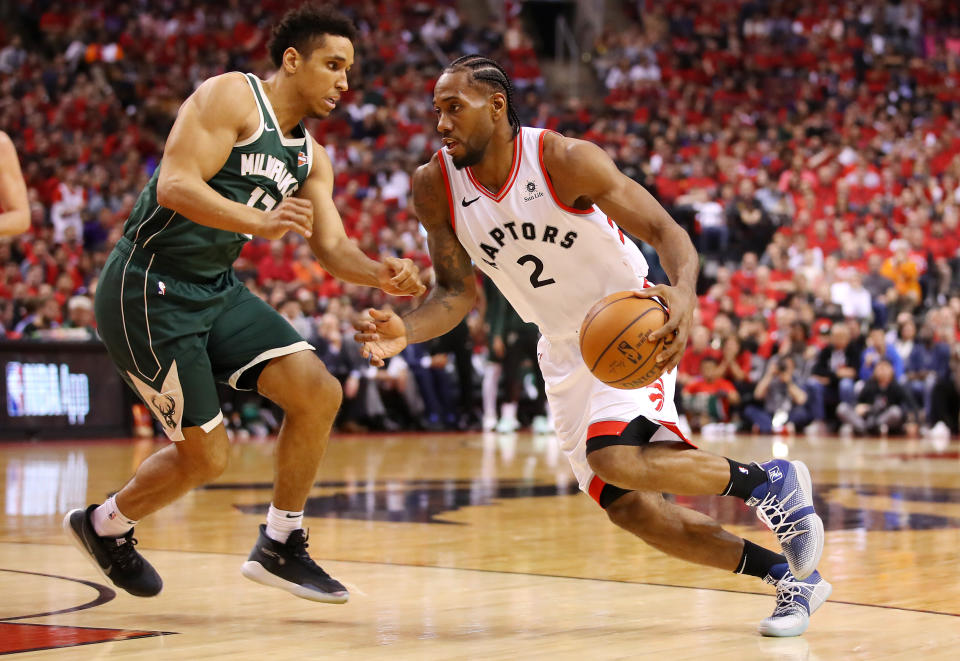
(617, 457)
(204, 458)
(305, 387)
(621, 465)
(327, 393)
(634, 511)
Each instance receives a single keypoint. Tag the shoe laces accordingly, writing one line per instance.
(123, 553)
(772, 507)
(789, 589)
(297, 545)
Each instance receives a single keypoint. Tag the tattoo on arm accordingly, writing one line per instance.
(455, 292)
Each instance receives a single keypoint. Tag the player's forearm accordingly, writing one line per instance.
(677, 256)
(345, 261)
(13, 222)
(196, 200)
(442, 310)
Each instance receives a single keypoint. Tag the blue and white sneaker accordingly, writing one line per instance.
(785, 504)
(796, 601)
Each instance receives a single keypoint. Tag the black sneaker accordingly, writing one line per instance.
(289, 567)
(115, 557)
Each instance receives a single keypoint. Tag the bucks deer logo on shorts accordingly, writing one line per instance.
(166, 406)
(166, 403)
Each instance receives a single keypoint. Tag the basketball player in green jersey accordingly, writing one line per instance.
(238, 163)
(14, 205)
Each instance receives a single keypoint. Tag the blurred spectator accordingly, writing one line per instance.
(43, 315)
(68, 203)
(883, 406)
(945, 399)
(852, 297)
(80, 323)
(697, 349)
(781, 402)
(836, 368)
(877, 349)
(904, 274)
(927, 362)
(708, 398)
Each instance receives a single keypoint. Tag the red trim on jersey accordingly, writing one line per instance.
(606, 428)
(446, 184)
(517, 156)
(616, 227)
(672, 426)
(546, 175)
(596, 488)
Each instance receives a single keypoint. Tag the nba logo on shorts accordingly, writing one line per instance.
(162, 288)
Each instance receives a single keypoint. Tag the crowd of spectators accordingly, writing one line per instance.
(810, 148)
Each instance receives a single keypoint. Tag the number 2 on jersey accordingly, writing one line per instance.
(537, 271)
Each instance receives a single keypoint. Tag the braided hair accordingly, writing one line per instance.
(489, 73)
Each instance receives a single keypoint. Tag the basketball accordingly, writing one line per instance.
(613, 340)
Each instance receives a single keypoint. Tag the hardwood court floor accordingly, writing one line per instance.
(476, 546)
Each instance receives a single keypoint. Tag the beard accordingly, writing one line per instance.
(471, 157)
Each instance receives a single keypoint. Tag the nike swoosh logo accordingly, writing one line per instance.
(267, 128)
(467, 204)
(293, 516)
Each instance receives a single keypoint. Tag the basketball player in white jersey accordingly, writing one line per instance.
(540, 214)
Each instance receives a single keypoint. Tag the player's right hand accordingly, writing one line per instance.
(381, 334)
(294, 214)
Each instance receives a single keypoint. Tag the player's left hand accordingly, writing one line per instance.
(680, 302)
(400, 277)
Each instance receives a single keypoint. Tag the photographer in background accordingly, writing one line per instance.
(781, 402)
(883, 406)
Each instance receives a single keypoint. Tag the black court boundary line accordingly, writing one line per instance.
(561, 576)
(104, 595)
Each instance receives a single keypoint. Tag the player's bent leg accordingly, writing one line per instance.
(781, 490)
(675, 530)
(165, 476)
(310, 396)
(630, 460)
(695, 537)
(174, 470)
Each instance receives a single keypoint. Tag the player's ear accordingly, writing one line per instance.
(498, 104)
(291, 60)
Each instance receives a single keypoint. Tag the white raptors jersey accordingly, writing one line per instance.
(551, 261)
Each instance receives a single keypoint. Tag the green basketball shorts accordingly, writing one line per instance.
(173, 336)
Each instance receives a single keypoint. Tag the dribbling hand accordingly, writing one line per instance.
(381, 334)
(681, 303)
(294, 214)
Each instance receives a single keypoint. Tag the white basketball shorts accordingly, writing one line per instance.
(584, 407)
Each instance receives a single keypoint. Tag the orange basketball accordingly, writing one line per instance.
(613, 340)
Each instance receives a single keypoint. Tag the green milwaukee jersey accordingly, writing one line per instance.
(260, 172)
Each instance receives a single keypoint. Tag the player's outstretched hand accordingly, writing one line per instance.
(381, 334)
(400, 277)
(680, 302)
(294, 214)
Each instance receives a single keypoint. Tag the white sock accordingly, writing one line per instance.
(280, 523)
(108, 521)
